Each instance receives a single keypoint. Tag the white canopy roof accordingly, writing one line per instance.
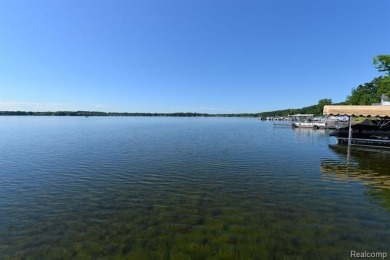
(303, 115)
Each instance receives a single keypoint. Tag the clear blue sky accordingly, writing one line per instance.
(213, 56)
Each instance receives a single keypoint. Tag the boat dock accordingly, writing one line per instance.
(368, 134)
(309, 121)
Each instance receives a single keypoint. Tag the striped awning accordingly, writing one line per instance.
(375, 111)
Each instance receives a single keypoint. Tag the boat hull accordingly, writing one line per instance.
(370, 133)
(309, 125)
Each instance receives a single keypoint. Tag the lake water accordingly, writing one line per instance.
(186, 188)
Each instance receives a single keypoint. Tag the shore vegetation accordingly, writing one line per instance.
(364, 94)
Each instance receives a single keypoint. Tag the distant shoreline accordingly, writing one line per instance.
(96, 113)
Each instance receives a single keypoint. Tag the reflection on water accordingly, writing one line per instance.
(370, 166)
(189, 188)
(309, 132)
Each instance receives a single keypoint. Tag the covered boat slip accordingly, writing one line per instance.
(382, 112)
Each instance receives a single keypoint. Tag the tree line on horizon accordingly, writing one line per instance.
(364, 94)
(98, 113)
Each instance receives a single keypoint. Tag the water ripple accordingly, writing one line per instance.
(159, 187)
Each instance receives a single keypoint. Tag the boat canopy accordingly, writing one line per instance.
(348, 110)
(303, 115)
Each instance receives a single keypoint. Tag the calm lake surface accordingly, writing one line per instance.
(186, 188)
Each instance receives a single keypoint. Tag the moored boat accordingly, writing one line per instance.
(367, 132)
(314, 125)
(309, 121)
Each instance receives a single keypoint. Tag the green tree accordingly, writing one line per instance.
(321, 104)
(384, 86)
(382, 63)
(365, 94)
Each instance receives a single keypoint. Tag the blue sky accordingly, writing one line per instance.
(213, 56)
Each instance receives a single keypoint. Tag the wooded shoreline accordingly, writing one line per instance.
(97, 113)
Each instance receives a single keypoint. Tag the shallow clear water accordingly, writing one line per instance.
(186, 188)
